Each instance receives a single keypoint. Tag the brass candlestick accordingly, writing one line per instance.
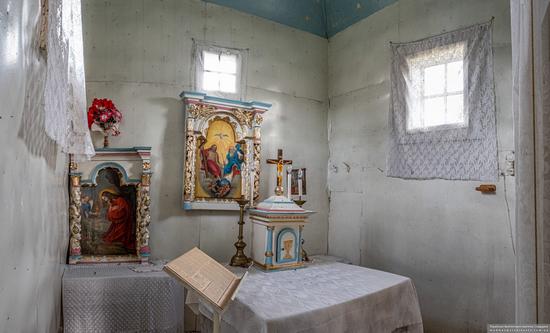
(240, 259)
(305, 257)
(299, 202)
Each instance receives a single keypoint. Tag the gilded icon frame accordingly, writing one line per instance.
(133, 166)
(245, 119)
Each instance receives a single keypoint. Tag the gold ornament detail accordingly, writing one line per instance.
(75, 180)
(146, 179)
(189, 184)
(258, 119)
(257, 151)
(146, 165)
(200, 110)
(244, 117)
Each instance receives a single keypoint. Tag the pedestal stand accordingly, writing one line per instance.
(240, 259)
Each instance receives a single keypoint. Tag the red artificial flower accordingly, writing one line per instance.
(90, 119)
(117, 115)
(104, 113)
(103, 117)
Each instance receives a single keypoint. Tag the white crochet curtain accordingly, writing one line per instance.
(442, 110)
(65, 88)
(531, 105)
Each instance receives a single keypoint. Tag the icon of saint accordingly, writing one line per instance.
(211, 162)
(235, 158)
(119, 214)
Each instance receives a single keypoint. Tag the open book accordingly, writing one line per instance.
(205, 276)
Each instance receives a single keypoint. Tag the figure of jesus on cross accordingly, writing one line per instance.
(280, 162)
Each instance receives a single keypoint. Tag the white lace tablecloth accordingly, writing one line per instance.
(121, 298)
(323, 297)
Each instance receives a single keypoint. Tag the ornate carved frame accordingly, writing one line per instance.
(246, 118)
(134, 166)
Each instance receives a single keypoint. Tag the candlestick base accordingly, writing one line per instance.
(240, 259)
(300, 202)
(305, 257)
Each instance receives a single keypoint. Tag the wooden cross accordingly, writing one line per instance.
(280, 162)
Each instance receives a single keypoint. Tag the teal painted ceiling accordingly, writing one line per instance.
(324, 18)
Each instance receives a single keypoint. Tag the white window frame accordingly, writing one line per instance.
(418, 65)
(241, 56)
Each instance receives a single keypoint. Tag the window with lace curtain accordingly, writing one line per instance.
(438, 89)
(442, 114)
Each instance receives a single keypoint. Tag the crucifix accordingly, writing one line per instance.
(280, 162)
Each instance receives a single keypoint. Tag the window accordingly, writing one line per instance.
(219, 71)
(438, 89)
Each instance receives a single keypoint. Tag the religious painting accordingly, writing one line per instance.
(222, 151)
(108, 218)
(109, 206)
(219, 165)
(295, 183)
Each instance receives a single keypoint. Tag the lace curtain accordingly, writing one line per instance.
(442, 111)
(65, 88)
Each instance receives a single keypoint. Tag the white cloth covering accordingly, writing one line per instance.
(121, 298)
(323, 297)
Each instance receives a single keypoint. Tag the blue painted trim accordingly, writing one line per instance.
(101, 166)
(272, 213)
(132, 149)
(232, 102)
(269, 246)
(279, 245)
(192, 94)
(187, 206)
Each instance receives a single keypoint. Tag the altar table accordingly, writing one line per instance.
(121, 298)
(325, 296)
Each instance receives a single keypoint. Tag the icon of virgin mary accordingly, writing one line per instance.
(119, 214)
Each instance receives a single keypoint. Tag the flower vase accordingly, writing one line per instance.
(105, 141)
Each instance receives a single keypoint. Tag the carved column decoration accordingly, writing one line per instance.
(257, 152)
(74, 215)
(189, 183)
(143, 217)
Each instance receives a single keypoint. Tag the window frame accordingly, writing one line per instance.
(199, 70)
(420, 97)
